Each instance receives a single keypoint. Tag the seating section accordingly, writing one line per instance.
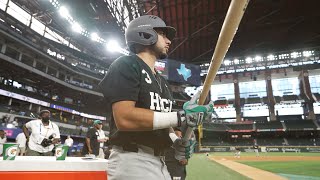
(215, 127)
(278, 99)
(270, 141)
(300, 125)
(269, 125)
(240, 126)
(290, 97)
(253, 100)
(298, 141)
(221, 102)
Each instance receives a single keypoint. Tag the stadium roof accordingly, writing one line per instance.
(267, 26)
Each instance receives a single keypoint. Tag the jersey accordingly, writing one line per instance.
(130, 79)
(93, 135)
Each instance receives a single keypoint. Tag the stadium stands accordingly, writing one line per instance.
(240, 126)
(215, 127)
(269, 125)
(300, 125)
(253, 100)
(277, 141)
(290, 97)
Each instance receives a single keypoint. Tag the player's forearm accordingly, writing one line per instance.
(134, 119)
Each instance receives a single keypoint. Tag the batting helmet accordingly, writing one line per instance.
(142, 31)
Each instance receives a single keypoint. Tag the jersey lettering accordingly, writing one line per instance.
(157, 103)
(147, 79)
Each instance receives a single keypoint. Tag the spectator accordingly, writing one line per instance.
(21, 140)
(15, 123)
(92, 145)
(69, 143)
(44, 135)
(102, 139)
(3, 139)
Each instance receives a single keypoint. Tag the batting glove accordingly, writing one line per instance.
(193, 114)
(183, 148)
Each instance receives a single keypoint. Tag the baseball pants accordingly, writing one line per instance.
(124, 165)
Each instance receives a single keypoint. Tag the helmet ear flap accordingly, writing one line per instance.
(145, 37)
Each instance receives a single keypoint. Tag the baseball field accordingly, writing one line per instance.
(276, 165)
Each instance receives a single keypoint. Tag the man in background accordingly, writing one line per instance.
(21, 140)
(44, 135)
(92, 142)
(3, 139)
(102, 139)
(69, 143)
(256, 150)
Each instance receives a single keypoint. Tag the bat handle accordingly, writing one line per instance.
(188, 133)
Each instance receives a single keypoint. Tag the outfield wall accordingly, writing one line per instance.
(284, 149)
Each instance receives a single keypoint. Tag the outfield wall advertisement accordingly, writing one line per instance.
(295, 149)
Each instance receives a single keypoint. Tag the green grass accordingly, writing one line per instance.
(201, 168)
(305, 168)
(265, 154)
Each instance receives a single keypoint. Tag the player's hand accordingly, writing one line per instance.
(194, 113)
(55, 141)
(183, 148)
(184, 162)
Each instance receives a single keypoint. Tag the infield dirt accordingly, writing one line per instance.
(255, 173)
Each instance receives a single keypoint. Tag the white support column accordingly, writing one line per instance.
(3, 48)
(38, 109)
(20, 56)
(34, 63)
(10, 102)
(57, 74)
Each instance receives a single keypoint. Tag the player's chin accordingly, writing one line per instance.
(163, 55)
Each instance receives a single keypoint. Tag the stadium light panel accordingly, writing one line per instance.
(236, 61)
(258, 58)
(227, 62)
(64, 12)
(307, 53)
(294, 55)
(271, 57)
(248, 60)
(94, 37)
(76, 27)
(113, 46)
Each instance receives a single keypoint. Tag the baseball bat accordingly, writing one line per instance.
(228, 30)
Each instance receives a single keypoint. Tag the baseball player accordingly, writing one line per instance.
(237, 152)
(256, 150)
(141, 103)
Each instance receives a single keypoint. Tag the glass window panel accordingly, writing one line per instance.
(254, 87)
(315, 83)
(51, 34)
(3, 4)
(37, 26)
(222, 90)
(285, 86)
(18, 13)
